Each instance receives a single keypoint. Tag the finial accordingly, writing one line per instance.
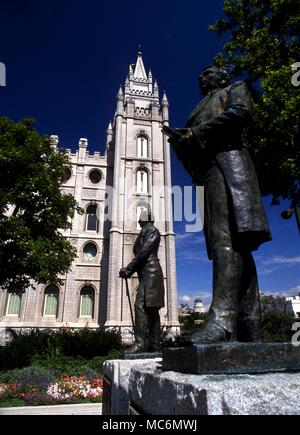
(83, 142)
(140, 50)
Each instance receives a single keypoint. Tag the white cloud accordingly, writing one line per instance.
(289, 261)
(265, 272)
(185, 299)
(294, 291)
(187, 239)
(204, 295)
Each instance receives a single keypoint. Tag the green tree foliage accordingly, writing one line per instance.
(277, 318)
(32, 207)
(264, 43)
(274, 304)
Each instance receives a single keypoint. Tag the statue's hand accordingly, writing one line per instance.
(124, 273)
(185, 134)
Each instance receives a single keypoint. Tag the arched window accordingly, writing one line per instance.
(142, 206)
(51, 301)
(142, 181)
(87, 296)
(89, 251)
(92, 221)
(14, 300)
(142, 147)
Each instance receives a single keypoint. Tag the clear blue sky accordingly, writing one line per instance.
(65, 60)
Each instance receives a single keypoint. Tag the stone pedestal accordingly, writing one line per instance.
(171, 393)
(116, 382)
(232, 358)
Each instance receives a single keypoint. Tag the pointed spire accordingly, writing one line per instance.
(155, 85)
(130, 70)
(165, 101)
(139, 71)
(109, 135)
(109, 128)
(120, 94)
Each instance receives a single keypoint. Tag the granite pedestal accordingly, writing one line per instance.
(232, 358)
(170, 393)
(116, 382)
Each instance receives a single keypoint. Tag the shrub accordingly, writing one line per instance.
(53, 346)
(277, 327)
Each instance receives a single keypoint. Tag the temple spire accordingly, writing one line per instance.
(139, 71)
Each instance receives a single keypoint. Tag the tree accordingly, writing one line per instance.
(264, 45)
(33, 210)
(277, 318)
(274, 304)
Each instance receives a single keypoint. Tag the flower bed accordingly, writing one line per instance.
(66, 389)
(76, 387)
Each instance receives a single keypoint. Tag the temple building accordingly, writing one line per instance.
(134, 173)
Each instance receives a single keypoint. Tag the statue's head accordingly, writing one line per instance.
(145, 217)
(213, 77)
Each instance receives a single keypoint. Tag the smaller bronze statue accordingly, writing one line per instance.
(150, 292)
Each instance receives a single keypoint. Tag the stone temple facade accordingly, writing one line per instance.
(133, 173)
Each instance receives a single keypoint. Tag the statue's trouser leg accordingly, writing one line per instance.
(154, 328)
(141, 318)
(248, 324)
(227, 263)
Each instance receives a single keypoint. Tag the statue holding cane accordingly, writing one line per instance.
(150, 292)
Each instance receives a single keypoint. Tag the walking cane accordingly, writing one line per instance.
(128, 295)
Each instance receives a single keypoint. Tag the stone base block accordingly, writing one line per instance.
(116, 383)
(171, 393)
(232, 358)
(144, 355)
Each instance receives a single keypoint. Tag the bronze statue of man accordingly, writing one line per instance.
(150, 293)
(212, 151)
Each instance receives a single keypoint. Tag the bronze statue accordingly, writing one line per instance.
(150, 294)
(212, 151)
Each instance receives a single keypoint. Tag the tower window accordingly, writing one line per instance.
(13, 303)
(87, 296)
(51, 301)
(92, 221)
(142, 181)
(90, 251)
(95, 176)
(142, 147)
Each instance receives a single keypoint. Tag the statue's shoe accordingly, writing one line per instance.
(212, 332)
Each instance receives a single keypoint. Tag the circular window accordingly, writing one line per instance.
(95, 176)
(90, 251)
(68, 173)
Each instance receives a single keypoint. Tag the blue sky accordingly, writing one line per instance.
(65, 60)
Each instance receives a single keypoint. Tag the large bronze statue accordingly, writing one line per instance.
(212, 151)
(150, 293)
